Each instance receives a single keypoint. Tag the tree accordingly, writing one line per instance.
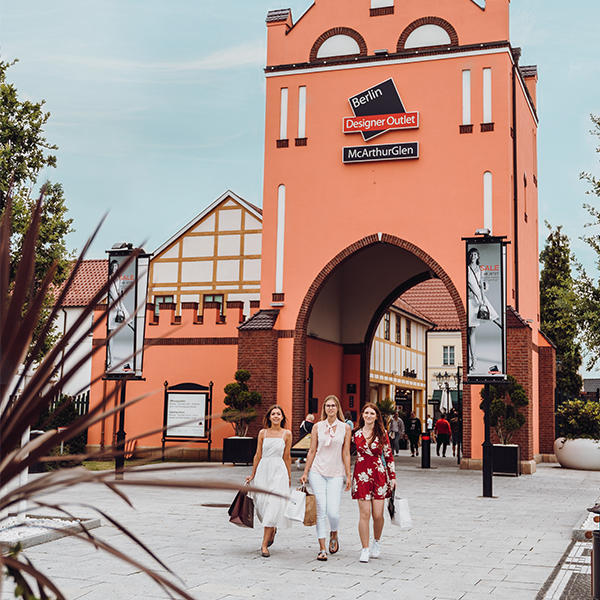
(240, 403)
(588, 288)
(24, 152)
(558, 310)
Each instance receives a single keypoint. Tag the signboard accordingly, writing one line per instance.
(127, 314)
(379, 152)
(408, 120)
(121, 347)
(183, 407)
(381, 99)
(486, 309)
(187, 414)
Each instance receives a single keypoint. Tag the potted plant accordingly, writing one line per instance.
(506, 400)
(240, 411)
(578, 444)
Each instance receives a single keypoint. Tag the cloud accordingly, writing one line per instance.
(248, 54)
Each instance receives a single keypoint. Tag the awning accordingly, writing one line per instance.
(437, 397)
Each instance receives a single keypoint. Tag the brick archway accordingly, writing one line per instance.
(300, 332)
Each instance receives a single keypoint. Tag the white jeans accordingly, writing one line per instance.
(328, 493)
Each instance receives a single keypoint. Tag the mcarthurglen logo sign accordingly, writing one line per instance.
(378, 110)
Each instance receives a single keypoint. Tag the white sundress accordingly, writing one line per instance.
(271, 474)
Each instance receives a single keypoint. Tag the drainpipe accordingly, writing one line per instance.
(515, 183)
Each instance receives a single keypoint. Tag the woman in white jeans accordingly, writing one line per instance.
(327, 463)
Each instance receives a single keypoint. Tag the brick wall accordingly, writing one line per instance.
(547, 386)
(257, 353)
(520, 366)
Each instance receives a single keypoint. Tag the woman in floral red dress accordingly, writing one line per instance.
(374, 477)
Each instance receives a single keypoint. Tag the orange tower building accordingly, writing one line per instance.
(358, 208)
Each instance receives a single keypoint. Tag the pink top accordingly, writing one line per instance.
(328, 459)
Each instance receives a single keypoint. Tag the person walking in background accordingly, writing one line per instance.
(413, 431)
(455, 427)
(374, 477)
(327, 463)
(396, 432)
(307, 425)
(271, 471)
(442, 432)
(348, 419)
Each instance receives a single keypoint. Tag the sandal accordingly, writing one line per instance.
(322, 555)
(265, 554)
(334, 545)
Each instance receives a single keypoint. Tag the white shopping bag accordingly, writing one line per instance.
(295, 506)
(402, 516)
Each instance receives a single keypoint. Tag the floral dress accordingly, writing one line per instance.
(371, 474)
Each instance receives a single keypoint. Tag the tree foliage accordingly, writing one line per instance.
(240, 403)
(506, 400)
(558, 310)
(579, 419)
(24, 153)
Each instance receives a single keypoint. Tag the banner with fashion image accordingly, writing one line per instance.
(120, 349)
(486, 310)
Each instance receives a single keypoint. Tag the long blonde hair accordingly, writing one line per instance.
(340, 414)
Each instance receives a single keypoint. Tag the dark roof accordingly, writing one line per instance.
(529, 71)
(90, 277)
(258, 209)
(263, 319)
(281, 14)
(432, 300)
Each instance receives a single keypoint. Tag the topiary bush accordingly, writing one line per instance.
(505, 401)
(240, 403)
(579, 419)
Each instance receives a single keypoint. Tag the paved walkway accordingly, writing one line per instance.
(462, 546)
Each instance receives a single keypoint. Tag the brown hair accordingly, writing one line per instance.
(378, 426)
(340, 414)
(267, 420)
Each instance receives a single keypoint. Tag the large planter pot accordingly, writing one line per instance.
(239, 450)
(506, 459)
(578, 453)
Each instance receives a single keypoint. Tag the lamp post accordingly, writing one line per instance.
(444, 382)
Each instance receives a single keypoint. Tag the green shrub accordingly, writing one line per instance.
(240, 403)
(579, 419)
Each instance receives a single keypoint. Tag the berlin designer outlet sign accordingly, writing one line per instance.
(378, 110)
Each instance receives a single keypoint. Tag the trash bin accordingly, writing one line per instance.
(36, 467)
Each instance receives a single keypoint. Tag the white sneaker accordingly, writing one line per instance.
(375, 549)
(364, 555)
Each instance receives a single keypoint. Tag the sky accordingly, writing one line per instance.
(158, 107)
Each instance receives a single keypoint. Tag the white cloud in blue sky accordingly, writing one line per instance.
(158, 107)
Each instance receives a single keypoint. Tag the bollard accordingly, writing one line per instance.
(425, 451)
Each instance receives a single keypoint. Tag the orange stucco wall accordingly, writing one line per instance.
(186, 360)
(327, 361)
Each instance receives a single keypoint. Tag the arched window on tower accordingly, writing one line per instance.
(427, 35)
(338, 45)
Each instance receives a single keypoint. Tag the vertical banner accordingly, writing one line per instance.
(124, 348)
(486, 309)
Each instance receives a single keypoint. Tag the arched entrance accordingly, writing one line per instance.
(346, 301)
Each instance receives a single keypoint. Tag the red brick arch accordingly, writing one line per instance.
(428, 21)
(338, 31)
(300, 333)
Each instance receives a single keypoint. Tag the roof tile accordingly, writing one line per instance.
(432, 300)
(263, 319)
(89, 279)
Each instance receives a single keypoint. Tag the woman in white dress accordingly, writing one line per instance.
(271, 471)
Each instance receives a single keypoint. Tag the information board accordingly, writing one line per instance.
(183, 408)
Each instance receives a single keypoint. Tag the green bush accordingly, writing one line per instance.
(240, 403)
(387, 407)
(579, 419)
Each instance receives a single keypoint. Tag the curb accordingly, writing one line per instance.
(585, 524)
(51, 535)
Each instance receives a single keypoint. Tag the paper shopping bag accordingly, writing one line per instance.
(402, 516)
(241, 511)
(296, 506)
(310, 509)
